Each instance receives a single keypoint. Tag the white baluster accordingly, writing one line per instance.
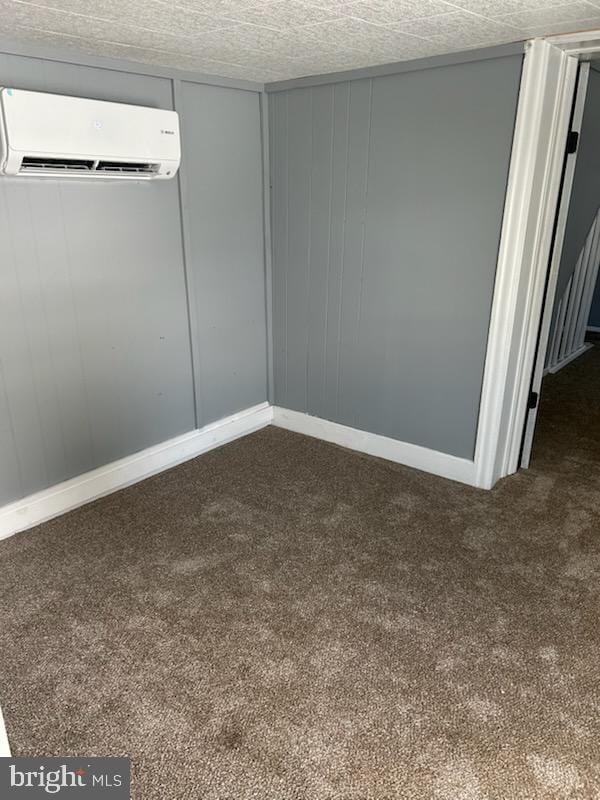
(590, 284)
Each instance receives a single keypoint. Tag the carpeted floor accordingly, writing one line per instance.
(282, 619)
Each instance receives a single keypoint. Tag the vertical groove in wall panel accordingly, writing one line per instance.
(186, 248)
(82, 390)
(320, 215)
(299, 174)
(223, 157)
(21, 225)
(278, 143)
(287, 239)
(11, 475)
(66, 383)
(340, 309)
(361, 390)
(309, 247)
(349, 377)
(268, 277)
(341, 102)
(16, 346)
(45, 357)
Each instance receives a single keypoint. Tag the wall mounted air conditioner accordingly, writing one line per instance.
(57, 136)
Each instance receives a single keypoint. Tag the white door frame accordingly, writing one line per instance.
(542, 124)
(564, 202)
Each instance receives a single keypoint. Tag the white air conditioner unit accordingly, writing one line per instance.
(57, 136)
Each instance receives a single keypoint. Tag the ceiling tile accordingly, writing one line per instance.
(188, 63)
(282, 14)
(548, 16)
(387, 12)
(460, 26)
(214, 8)
(91, 28)
(280, 38)
(27, 34)
(496, 8)
(361, 35)
(150, 14)
(299, 67)
(335, 4)
(153, 57)
(295, 42)
(550, 28)
(241, 35)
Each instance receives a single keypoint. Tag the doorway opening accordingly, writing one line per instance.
(559, 406)
(546, 277)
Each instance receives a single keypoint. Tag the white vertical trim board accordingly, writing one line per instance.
(4, 745)
(411, 455)
(63, 497)
(541, 128)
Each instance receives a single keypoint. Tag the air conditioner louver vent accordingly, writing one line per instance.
(43, 164)
(127, 167)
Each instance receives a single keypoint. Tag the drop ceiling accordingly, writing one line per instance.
(267, 40)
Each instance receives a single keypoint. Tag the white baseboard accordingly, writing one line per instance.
(593, 329)
(411, 455)
(62, 497)
(4, 745)
(56, 500)
(557, 367)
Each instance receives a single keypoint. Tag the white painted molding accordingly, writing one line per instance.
(4, 745)
(411, 455)
(534, 177)
(63, 497)
(584, 43)
(593, 329)
(568, 359)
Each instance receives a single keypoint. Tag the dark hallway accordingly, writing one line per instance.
(567, 436)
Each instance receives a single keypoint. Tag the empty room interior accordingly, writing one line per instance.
(300, 399)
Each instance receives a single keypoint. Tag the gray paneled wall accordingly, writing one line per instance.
(387, 202)
(95, 345)
(223, 211)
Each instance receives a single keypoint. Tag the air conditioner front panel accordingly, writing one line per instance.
(54, 127)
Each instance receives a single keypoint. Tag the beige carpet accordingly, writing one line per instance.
(282, 619)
